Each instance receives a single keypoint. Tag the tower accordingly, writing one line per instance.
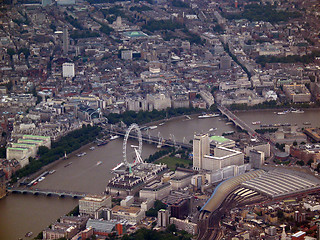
(201, 147)
(163, 218)
(65, 39)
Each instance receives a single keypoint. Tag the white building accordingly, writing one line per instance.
(201, 147)
(222, 157)
(155, 190)
(68, 70)
(163, 218)
(158, 101)
(91, 203)
(132, 214)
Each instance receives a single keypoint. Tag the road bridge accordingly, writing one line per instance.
(237, 121)
(47, 192)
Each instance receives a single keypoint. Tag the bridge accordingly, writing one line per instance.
(158, 140)
(47, 192)
(237, 121)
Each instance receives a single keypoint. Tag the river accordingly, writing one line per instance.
(23, 213)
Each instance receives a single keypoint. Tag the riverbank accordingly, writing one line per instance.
(279, 109)
(50, 166)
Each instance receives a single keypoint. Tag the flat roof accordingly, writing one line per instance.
(16, 148)
(124, 209)
(30, 140)
(31, 136)
(24, 144)
(219, 139)
(134, 34)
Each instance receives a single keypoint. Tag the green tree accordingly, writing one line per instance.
(43, 150)
(11, 52)
(172, 228)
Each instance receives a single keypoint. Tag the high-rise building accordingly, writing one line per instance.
(201, 147)
(225, 62)
(65, 39)
(256, 158)
(68, 70)
(163, 218)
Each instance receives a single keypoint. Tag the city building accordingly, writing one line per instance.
(101, 227)
(91, 203)
(185, 225)
(222, 157)
(297, 93)
(163, 218)
(132, 214)
(220, 141)
(201, 147)
(298, 235)
(155, 190)
(256, 159)
(68, 70)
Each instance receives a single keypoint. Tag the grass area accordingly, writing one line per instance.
(172, 161)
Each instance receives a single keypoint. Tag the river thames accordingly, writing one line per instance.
(23, 213)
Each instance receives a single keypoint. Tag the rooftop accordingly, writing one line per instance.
(219, 139)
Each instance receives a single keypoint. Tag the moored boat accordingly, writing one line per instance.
(29, 234)
(113, 137)
(209, 115)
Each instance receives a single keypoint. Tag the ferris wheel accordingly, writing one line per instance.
(137, 149)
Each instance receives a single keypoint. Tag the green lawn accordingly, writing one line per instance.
(172, 161)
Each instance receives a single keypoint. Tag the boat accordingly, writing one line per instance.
(282, 113)
(117, 167)
(92, 148)
(52, 171)
(209, 115)
(65, 155)
(212, 129)
(29, 234)
(160, 124)
(229, 123)
(102, 143)
(98, 163)
(227, 133)
(113, 137)
(152, 127)
(68, 164)
(41, 179)
(297, 111)
(307, 123)
(256, 123)
(81, 154)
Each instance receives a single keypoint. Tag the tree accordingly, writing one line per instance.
(172, 228)
(11, 52)
(43, 150)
